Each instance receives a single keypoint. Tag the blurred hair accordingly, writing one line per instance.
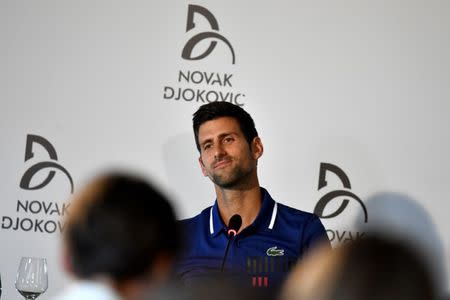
(118, 225)
(214, 110)
(372, 268)
(382, 268)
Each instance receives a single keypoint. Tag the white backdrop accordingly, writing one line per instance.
(362, 85)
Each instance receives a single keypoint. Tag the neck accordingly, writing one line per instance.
(245, 202)
(132, 289)
(157, 277)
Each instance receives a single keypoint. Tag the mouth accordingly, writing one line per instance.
(222, 164)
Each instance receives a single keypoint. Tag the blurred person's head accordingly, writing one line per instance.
(371, 268)
(122, 230)
(401, 216)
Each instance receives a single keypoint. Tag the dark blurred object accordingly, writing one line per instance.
(218, 288)
(377, 268)
(373, 268)
(118, 226)
(402, 217)
(120, 238)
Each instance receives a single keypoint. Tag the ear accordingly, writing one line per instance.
(161, 268)
(257, 148)
(67, 260)
(202, 166)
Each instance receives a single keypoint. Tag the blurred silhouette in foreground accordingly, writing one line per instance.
(400, 216)
(217, 288)
(120, 239)
(373, 268)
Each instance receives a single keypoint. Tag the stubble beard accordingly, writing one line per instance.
(237, 177)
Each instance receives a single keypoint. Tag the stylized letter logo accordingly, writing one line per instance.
(320, 206)
(190, 45)
(25, 182)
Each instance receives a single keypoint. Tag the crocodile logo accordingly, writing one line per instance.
(273, 251)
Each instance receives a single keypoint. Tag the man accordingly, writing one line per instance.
(272, 236)
(120, 239)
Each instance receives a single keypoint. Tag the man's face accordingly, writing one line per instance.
(225, 156)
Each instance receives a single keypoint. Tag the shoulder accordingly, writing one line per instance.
(303, 222)
(287, 217)
(194, 231)
(198, 220)
(295, 215)
(306, 226)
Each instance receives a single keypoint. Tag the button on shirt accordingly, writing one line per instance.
(260, 255)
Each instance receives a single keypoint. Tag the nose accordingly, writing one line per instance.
(219, 152)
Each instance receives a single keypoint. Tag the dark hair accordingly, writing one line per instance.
(118, 226)
(214, 110)
(378, 267)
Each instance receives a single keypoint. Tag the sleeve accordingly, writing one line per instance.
(314, 233)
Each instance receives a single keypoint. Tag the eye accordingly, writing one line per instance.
(228, 139)
(207, 146)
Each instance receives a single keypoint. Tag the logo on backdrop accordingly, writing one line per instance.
(343, 192)
(25, 182)
(200, 85)
(207, 35)
(326, 168)
(39, 215)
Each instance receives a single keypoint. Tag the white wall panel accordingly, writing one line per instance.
(358, 84)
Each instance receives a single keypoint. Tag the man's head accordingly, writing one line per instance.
(229, 145)
(121, 228)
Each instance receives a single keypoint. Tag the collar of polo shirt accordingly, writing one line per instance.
(265, 220)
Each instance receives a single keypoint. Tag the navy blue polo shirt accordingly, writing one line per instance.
(259, 256)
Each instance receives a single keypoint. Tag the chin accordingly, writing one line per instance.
(225, 183)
